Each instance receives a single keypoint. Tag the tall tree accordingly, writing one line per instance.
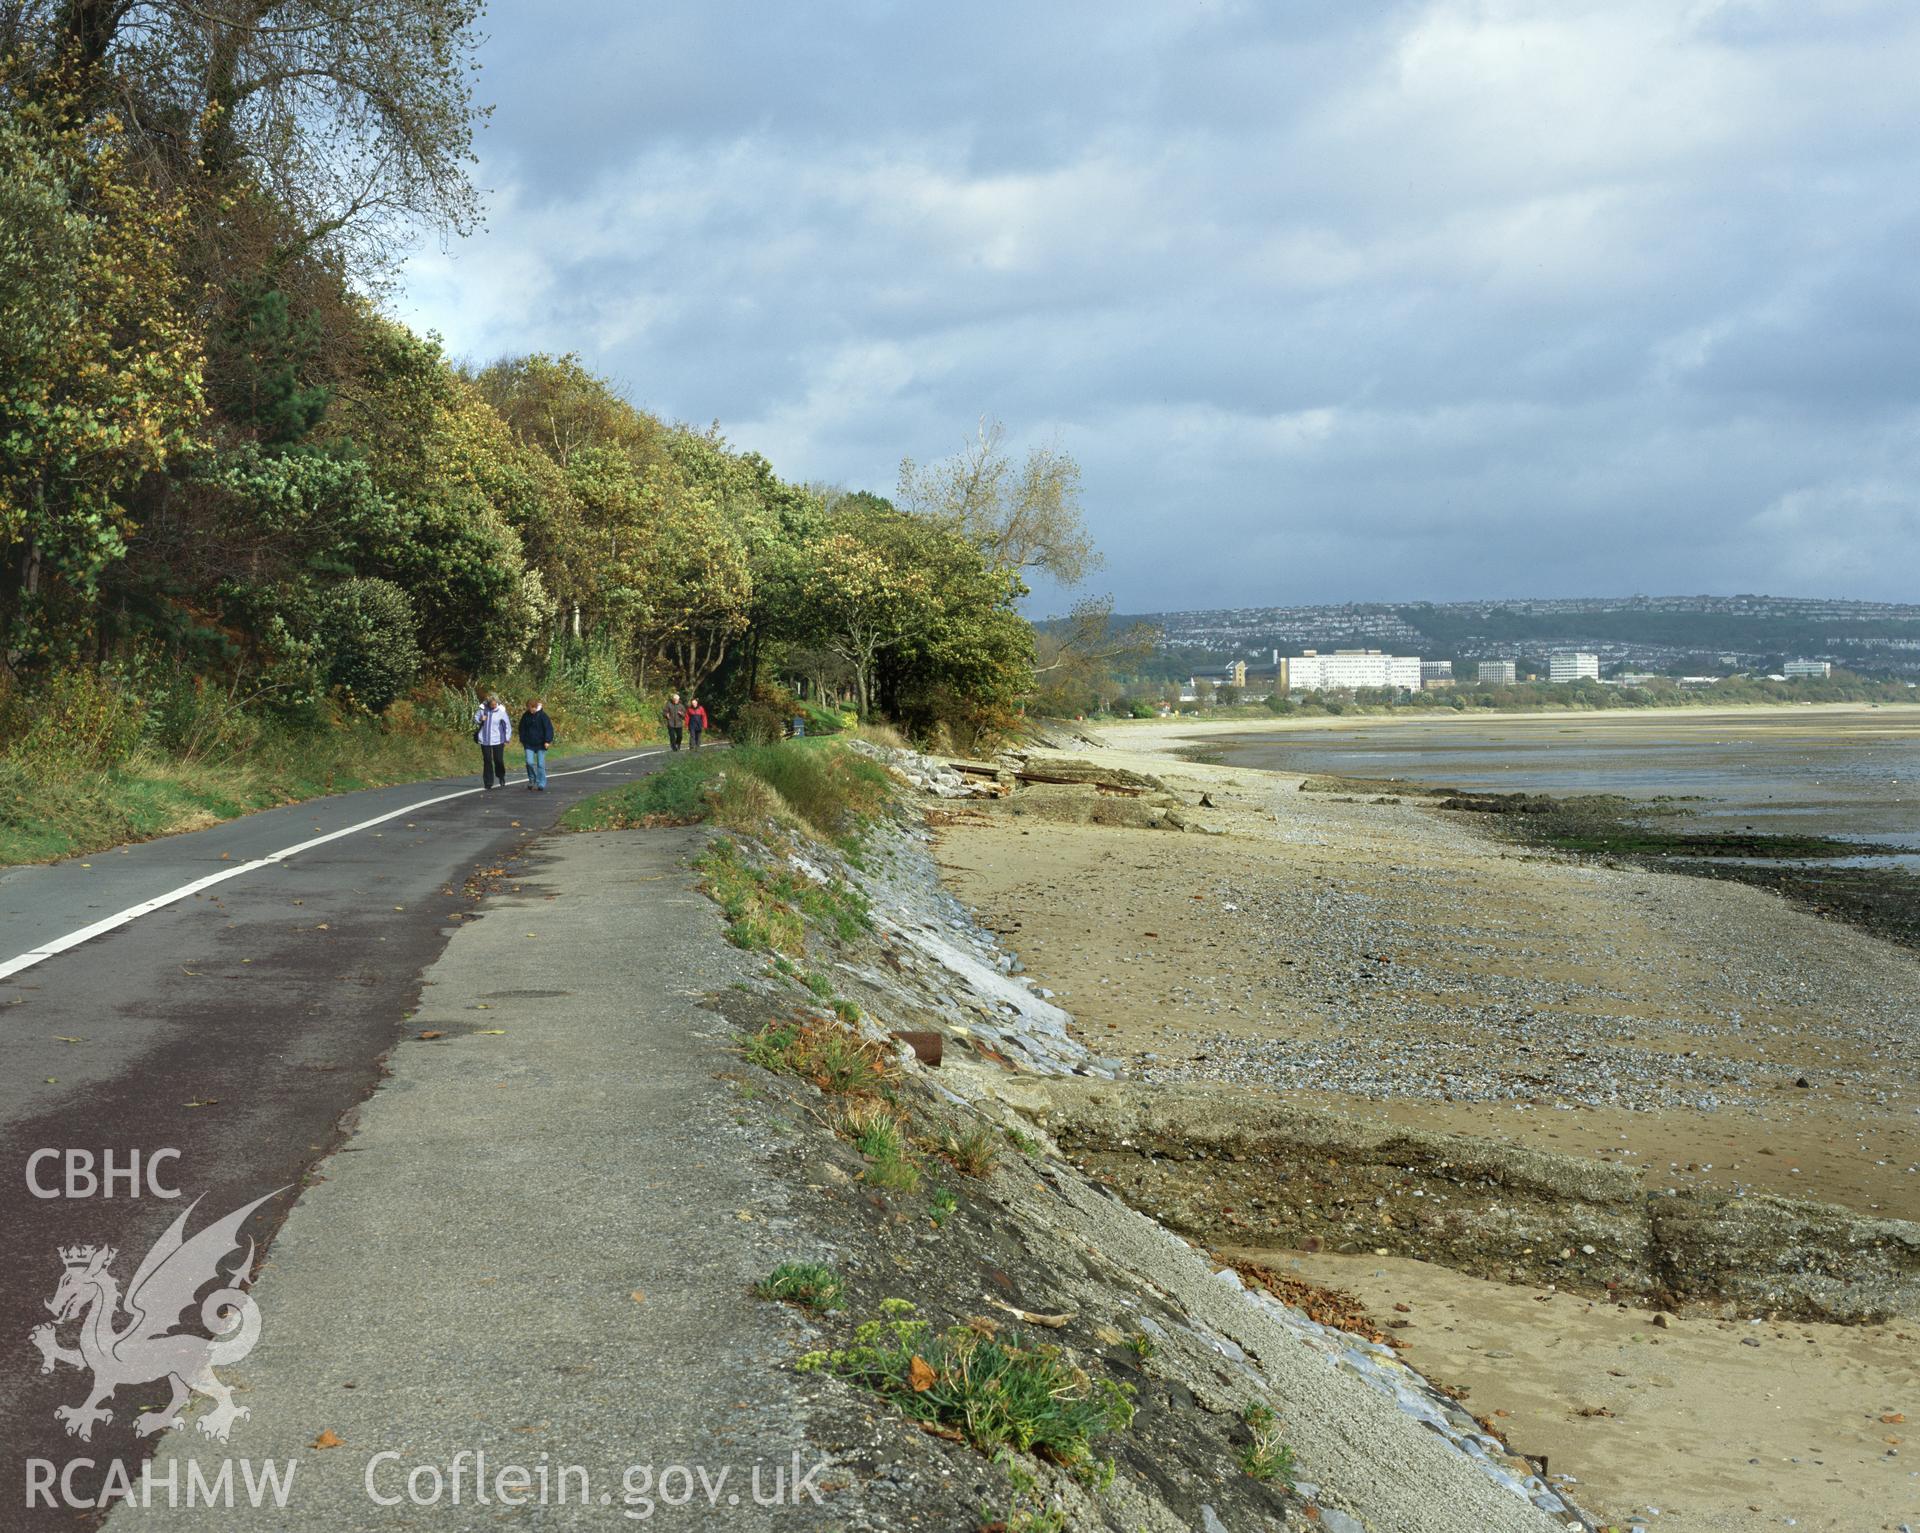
(355, 116)
(100, 368)
(1026, 516)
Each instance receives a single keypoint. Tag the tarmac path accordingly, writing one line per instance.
(253, 978)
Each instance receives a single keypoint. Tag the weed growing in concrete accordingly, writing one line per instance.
(996, 1391)
(1266, 1458)
(807, 1284)
(973, 1153)
(892, 1175)
(1026, 1144)
(768, 909)
(827, 1054)
(1029, 1512)
(874, 1129)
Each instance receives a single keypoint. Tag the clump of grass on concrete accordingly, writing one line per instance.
(831, 1056)
(1265, 1457)
(996, 1391)
(972, 1153)
(874, 1129)
(808, 1284)
(768, 909)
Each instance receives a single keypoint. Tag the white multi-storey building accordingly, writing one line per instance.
(1820, 668)
(1497, 673)
(1573, 665)
(1347, 669)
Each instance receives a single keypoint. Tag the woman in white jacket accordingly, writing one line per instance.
(492, 727)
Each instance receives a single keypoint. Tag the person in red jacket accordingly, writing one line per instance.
(696, 723)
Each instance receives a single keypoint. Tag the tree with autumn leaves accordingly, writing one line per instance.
(219, 461)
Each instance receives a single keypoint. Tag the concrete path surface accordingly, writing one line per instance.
(220, 1036)
(538, 1246)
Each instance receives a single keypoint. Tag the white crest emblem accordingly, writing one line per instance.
(150, 1346)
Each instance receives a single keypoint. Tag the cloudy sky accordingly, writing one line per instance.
(1331, 300)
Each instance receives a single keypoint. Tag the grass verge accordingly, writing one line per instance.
(817, 785)
(50, 810)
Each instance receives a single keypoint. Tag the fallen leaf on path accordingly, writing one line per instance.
(1892, 1418)
(226, 856)
(209, 1102)
(329, 1439)
(194, 972)
(638, 1296)
(399, 907)
(433, 1033)
(920, 1374)
(492, 1032)
(57, 1038)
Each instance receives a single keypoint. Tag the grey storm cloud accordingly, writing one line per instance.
(1433, 299)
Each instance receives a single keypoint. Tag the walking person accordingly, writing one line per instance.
(492, 727)
(696, 723)
(536, 734)
(674, 716)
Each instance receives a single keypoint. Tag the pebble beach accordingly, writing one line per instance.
(1361, 952)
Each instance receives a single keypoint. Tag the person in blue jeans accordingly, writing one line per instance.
(536, 734)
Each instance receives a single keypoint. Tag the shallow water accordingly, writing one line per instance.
(1853, 775)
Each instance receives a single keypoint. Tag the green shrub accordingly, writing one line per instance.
(366, 633)
(756, 723)
(77, 720)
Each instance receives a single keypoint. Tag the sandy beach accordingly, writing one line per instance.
(1395, 964)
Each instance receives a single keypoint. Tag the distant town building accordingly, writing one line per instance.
(1437, 670)
(1637, 679)
(1796, 668)
(1573, 665)
(1497, 673)
(1347, 669)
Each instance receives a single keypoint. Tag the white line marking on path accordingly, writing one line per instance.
(132, 913)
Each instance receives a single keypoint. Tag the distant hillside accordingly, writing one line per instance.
(1657, 632)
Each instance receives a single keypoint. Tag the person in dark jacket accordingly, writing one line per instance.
(536, 734)
(674, 716)
(696, 723)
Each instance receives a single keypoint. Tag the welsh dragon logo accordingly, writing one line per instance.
(150, 1346)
